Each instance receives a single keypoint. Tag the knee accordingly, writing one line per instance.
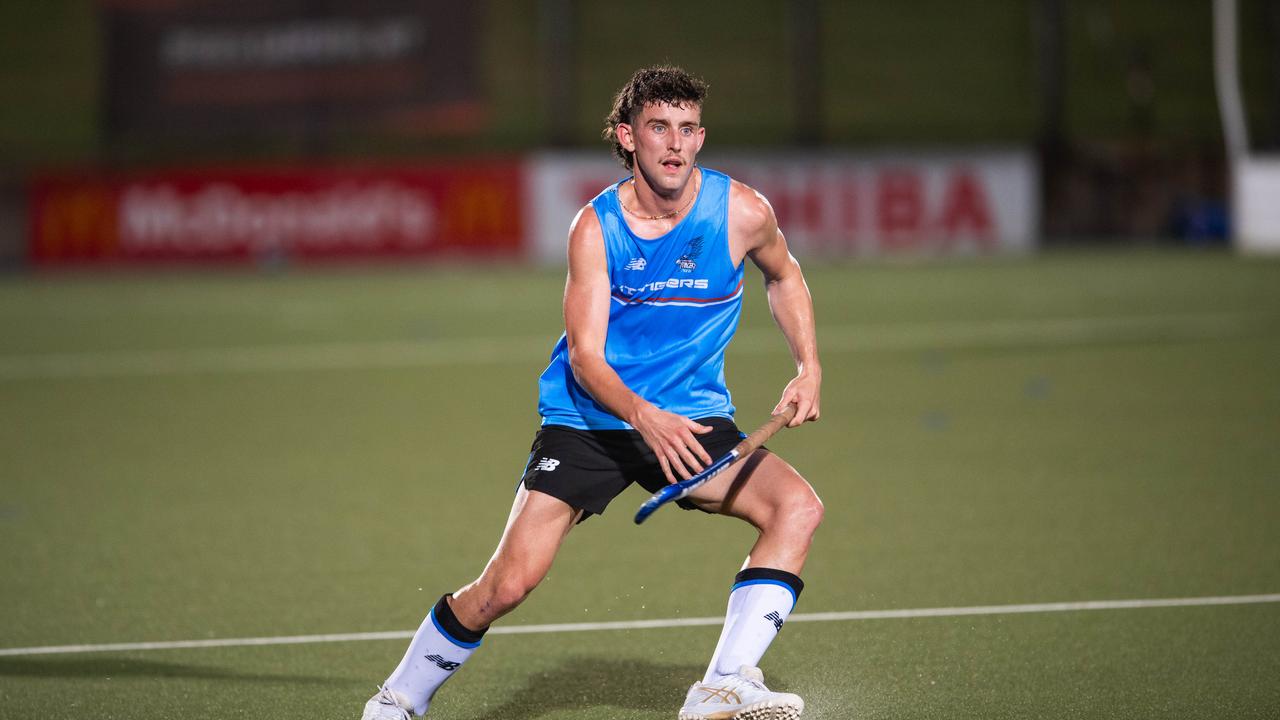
(510, 591)
(803, 514)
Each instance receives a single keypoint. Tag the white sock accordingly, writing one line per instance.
(438, 649)
(759, 603)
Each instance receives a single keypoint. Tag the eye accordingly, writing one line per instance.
(659, 129)
(687, 131)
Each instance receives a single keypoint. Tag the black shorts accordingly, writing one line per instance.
(589, 468)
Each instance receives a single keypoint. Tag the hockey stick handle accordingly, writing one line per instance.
(749, 444)
(761, 435)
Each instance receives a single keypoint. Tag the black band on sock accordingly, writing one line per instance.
(782, 576)
(453, 626)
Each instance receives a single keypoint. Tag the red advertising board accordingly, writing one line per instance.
(246, 215)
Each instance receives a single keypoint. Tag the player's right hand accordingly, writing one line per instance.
(673, 439)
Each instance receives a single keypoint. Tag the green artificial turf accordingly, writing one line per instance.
(224, 455)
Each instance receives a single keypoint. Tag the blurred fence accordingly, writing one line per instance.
(1113, 100)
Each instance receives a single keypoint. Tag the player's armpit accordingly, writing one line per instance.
(752, 223)
(756, 228)
(586, 318)
(586, 291)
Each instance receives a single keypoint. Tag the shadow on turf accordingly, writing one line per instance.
(588, 682)
(128, 668)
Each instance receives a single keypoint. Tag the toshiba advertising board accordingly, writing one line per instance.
(835, 205)
(246, 215)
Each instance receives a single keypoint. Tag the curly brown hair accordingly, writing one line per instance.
(658, 84)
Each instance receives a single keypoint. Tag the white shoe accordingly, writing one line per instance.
(388, 705)
(741, 696)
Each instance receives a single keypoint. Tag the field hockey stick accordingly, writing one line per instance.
(748, 445)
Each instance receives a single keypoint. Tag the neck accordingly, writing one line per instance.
(648, 203)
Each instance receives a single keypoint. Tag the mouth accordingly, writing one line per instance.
(672, 164)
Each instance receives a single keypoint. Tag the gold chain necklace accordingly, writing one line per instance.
(697, 184)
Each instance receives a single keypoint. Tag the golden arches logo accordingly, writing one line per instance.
(480, 210)
(76, 222)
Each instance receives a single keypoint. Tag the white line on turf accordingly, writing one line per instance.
(869, 337)
(666, 623)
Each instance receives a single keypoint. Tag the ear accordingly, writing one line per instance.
(625, 138)
(702, 137)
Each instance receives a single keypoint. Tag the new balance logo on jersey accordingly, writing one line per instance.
(635, 264)
(776, 619)
(446, 665)
(547, 465)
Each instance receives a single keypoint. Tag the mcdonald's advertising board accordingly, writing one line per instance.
(245, 215)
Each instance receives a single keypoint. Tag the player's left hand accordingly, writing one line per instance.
(804, 391)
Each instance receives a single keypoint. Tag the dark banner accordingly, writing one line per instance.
(287, 65)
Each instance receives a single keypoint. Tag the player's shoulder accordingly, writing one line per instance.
(749, 209)
(586, 224)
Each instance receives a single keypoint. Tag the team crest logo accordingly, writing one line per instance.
(688, 259)
(636, 264)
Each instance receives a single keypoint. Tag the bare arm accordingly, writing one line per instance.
(755, 228)
(586, 322)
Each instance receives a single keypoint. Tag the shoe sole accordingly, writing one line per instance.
(757, 712)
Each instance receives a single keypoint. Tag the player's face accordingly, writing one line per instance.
(666, 140)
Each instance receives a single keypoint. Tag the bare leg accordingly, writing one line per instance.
(453, 629)
(768, 493)
(771, 495)
(536, 527)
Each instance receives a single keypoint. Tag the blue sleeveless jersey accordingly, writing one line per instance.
(675, 305)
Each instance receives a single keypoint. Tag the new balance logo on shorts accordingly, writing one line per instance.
(447, 665)
(547, 464)
(776, 619)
